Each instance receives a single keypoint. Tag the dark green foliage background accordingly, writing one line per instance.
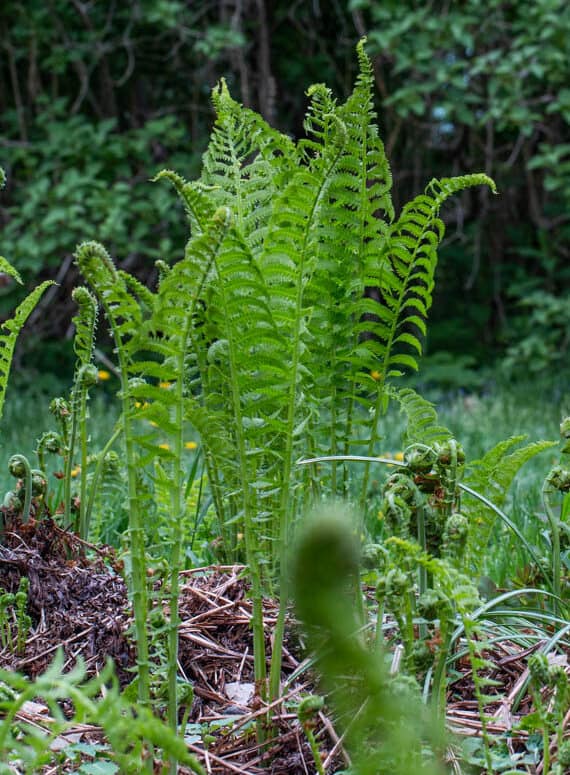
(95, 97)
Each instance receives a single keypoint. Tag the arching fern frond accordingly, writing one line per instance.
(199, 207)
(138, 290)
(9, 333)
(247, 162)
(7, 268)
(405, 276)
(355, 219)
(121, 309)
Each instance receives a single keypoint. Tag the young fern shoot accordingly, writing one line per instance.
(125, 319)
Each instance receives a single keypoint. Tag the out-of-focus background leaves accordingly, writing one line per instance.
(95, 97)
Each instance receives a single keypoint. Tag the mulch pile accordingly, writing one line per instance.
(81, 605)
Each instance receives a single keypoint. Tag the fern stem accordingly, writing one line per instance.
(95, 480)
(138, 555)
(374, 437)
(176, 532)
(69, 462)
(422, 570)
(555, 537)
(474, 660)
(83, 525)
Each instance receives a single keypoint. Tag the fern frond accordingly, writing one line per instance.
(198, 206)
(493, 474)
(353, 226)
(406, 278)
(422, 421)
(7, 268)
(85, 324)
(247, 162)
(121, 309)
(9, 333)
(138, 290)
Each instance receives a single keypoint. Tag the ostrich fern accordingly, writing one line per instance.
(264, 330)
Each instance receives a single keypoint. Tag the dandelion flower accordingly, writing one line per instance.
(375, 374)
(164, 446)
(399, 456)
(75, 471)
(164, 385)
(190, 445)
(103, 375)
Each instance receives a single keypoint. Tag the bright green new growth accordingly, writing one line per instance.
(9, 333)
(85, 377)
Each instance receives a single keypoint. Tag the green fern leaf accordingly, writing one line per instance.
(85, 323)
(245, 165)
(9, 333)
(406, 273)
(7, 268)
(121, 309)
(199, 208)
(422, 421)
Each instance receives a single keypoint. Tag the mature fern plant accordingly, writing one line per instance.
(288, 346)
(264, 337)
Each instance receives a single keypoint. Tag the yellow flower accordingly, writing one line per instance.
(141, 405)
(190, 445)
(103, 375)
(375, 375)
(164, 446)
(75, 471)
(164, 385)
(399, 456)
